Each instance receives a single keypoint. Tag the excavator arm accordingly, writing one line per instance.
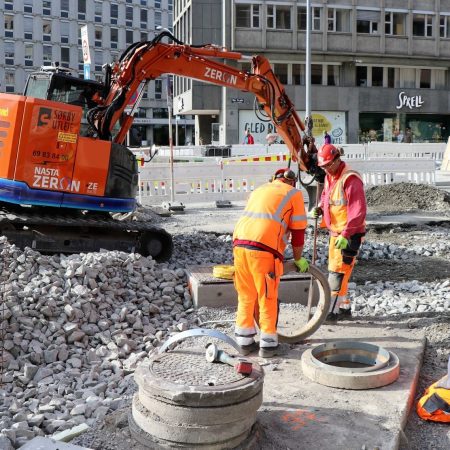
(145, 61)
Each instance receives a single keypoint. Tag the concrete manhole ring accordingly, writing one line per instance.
(381, 366)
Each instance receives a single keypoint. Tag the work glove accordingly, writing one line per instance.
(302, 264)
(341, 243)
(315, 212)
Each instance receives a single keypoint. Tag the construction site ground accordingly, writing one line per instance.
(298, 413)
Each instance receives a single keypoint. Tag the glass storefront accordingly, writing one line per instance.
(402, 127)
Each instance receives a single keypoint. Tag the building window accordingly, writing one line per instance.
(9, 26)
(47, 53)
(281, 72)
(361, 76)
(98, 36)
(143, 2)
(298, 74)
(46, 30)
(377, 76)
(9, 53)
(158, 89)
(247, 16)
(28, 55)
(114, 37)
(114, 13)
(333, 75)
(65, 29)
(46, 7)
(367, 21)
(158, 4)
(9, 81)
(316, 74)
(98, 12)
(279, 17)
(65, 8)
(395, 24)
(316, 18)
(98, 60)
(129, 16)
(65, 56)
(129, 37)
(425, 78)
(144, 36)
(170, 5)
(423, 25)
(28, 28)
(390, 77)
(81, 9)
(339, 20)
(444, 27)
(407, 78)
(27, 6)
(9, 6)
(144, 14)
(157, 18)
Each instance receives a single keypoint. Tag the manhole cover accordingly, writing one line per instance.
(192, 369)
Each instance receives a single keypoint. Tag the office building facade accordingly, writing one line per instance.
(379, 70)
(35, 33)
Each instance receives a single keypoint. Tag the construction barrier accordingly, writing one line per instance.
(235, 179)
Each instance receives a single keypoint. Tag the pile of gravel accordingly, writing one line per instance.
(402, 197)
(76, 328)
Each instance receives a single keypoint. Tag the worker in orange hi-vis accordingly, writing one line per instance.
(274, 212)
(343, 206)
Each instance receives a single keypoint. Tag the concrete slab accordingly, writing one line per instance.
(298, 413)
(43, 443)
(375, 221)
(207, 290)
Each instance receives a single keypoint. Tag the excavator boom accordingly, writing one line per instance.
(149, 60)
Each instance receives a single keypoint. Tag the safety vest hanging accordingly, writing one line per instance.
(435, 403)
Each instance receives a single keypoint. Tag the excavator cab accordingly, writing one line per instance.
(57, 84)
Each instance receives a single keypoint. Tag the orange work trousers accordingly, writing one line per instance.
(341, 263)
(256, 278)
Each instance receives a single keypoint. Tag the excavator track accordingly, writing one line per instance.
(50, 230)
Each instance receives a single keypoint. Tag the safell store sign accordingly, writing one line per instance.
(331, 121)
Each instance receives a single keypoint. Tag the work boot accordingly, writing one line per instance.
(270, 352)
(247, 349)
(345, 313)
(332, 317)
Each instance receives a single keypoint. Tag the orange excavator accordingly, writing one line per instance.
(67, 182)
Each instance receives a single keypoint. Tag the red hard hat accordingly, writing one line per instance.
(326, 154)
(285, 173)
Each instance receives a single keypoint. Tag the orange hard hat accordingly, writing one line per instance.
(326, 154)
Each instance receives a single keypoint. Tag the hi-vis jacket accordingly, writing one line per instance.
(272, 210)
(337, 219)
(435, 403)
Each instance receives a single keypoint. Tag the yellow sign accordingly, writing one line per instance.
(4, 112)
(320, 124)
(71, 138)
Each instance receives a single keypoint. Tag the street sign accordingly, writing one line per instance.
(86, 52)
(85, 45)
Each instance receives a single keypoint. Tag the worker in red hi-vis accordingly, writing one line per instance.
(343, 206)
(273, 212)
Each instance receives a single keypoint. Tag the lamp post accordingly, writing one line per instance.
(308, 61)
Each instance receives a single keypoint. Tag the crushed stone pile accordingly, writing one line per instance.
(76, 328)
(402, 197)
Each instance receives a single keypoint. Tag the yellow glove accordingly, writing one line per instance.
(315, 212)
(341, 243)
(302, 264)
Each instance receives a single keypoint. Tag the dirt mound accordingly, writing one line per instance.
(402, 197)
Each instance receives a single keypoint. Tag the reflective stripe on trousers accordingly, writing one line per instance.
(256, 278)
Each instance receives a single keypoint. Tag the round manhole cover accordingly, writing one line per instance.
(192, 369)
